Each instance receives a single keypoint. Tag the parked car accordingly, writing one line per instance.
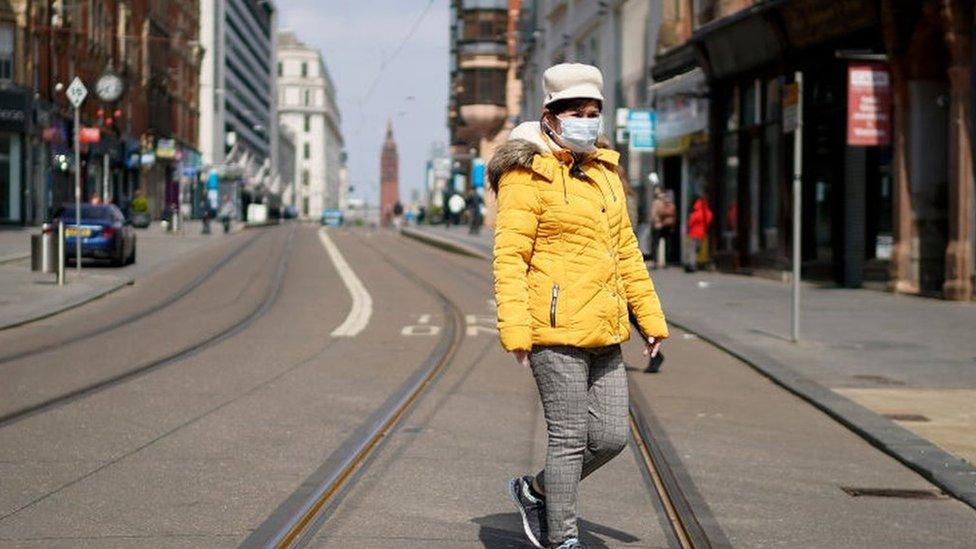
(104, 233)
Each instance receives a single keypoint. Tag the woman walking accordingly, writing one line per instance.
(567, 268)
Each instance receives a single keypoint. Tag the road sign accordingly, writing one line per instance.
(77, 92)
(640, 125)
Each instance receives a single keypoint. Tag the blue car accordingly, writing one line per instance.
(104, 233)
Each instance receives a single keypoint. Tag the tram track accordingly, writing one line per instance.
(263, 305)
(138, 315)
(659, 465)
(297, 520)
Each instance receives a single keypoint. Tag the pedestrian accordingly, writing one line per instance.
(397, 215)
(474, 210)
(663, 219)
(699, 221)
(567, 269)
(205, 216)
(227, 212)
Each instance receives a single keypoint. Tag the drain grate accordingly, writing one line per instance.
(900, 493)
(907, 417)
(882, 380)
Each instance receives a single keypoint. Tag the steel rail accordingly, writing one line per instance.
(684, 524)
(296, 527)
(262, 307)
(155, 308)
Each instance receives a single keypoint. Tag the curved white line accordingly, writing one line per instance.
(362, 303)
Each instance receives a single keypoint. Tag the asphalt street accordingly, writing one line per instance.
(195, 407)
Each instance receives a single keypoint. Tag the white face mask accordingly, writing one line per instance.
(579, 134)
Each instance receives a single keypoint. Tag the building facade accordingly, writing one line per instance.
(307, 106)
(389, 177)
(287, 165)
(237, 80)
(146, 143)
(895, 209)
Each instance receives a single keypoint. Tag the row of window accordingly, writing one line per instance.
(303, 69)
(295, 96)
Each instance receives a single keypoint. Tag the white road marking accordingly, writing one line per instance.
(424, 319)
(473, 327)
(362, 303)
(420, 330)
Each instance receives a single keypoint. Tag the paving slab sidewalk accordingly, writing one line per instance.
(898, 370)
(27, 296)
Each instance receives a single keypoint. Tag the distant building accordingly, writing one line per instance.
(287, 159)
(485, 93)
(389, 176)
(307, 105)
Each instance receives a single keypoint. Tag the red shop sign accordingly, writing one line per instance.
(89, 135)
(868, 104)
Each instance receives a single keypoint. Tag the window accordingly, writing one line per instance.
(280, 71)
(308, 97)
(305, 177)
(482, 86)
(308, 123)
(304, 69)
(485, 25)
(6, 52)
(306, 151)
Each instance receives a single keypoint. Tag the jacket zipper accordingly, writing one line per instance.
(552, 305)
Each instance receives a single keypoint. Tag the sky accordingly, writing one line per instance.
(359, 41)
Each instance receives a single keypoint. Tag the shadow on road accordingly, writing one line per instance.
(504, 530)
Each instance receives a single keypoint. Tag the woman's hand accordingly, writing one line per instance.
(652, 347)
(522, 357)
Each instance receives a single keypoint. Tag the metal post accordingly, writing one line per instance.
(77, 191)
(105, 178)
(60, 253)
(797, 206)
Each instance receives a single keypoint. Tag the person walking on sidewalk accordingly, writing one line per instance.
(227, 211)
(699, 222)
(567, 269)
(663, 219)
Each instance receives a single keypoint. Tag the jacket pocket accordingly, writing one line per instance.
(552, 305)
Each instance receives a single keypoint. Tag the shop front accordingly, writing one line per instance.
(682, 148)
(15, 114)
(750, 60)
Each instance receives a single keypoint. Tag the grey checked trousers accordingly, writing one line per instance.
(584, 396)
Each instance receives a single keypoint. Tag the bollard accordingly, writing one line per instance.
(43, 258)
(60, 253)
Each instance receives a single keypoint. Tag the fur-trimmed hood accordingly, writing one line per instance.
(526, 141)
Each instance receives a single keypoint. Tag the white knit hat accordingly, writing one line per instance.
(572, 81)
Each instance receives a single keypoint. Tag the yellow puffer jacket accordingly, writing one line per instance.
(566, 261)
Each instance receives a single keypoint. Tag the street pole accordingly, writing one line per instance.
(797, 206)
(105, 178)
(78, 236)
(76, 93)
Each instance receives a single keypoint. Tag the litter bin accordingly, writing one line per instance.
(44, 249)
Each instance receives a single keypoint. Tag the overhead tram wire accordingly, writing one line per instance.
(386, 63)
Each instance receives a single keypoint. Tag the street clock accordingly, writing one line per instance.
(109, 87)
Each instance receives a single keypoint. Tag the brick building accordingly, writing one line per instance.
(147, 136)
(389, 176)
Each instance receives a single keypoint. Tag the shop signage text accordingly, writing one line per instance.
(89, 135)
(640, 126)
(868, 104)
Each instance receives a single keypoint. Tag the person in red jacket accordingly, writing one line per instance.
(699, 222)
